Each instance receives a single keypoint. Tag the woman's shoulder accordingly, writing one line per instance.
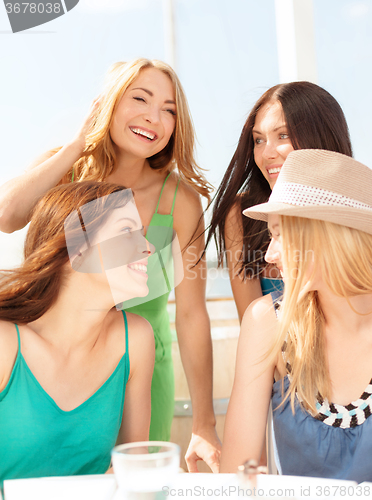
(138, 324)
(176, 194)
(188, 209)
(141, 342)
(186, 194)
(257, 339)
(8, 350)
(8, 335)
(234, 225)
(234, 215)
(139, 329)
(189, 201)
(260, 316)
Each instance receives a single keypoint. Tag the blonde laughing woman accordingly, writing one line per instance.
(314, 362)
(139, 134)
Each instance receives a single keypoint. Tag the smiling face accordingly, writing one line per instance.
(122, 236)
(145, 117)
(272, 144)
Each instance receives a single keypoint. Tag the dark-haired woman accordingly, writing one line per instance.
(75, 373)
(297, 115)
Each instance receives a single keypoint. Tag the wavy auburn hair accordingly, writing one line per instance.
(314, 120)
(98, 160)
(27, 292)
(343, 257)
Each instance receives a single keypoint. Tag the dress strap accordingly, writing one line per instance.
(174, 198)
(126, 330)
(277, 299)
(161, 192)
(19, 337)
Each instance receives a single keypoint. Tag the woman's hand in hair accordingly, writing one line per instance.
(80, 140)
(19, 195)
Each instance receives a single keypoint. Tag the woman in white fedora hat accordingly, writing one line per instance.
(314, 362)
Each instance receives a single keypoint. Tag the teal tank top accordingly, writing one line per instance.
(39, 439)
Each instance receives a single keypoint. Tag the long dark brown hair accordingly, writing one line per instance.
(314, 120)
(27, 292)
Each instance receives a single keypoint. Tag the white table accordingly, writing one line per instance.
(187, 486)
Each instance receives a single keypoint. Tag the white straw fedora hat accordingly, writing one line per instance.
(324, 185)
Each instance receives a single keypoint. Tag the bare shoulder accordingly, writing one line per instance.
(138, 327)
(261, 311)
(234, 226)
(188, 215)
(261, 319)
(8, 350)
(235, 214)
(8, 336)
(188, 202)
(140, 333)
(256, 348)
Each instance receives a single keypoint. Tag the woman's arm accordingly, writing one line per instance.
(244, 291)
(193, 331)
(135, 425)
(246, 418)
(18, 196)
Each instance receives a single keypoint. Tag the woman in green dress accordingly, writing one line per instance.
(139, 134)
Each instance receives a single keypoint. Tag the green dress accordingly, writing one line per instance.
(155, 311)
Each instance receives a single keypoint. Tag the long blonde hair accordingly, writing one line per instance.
(343, 257)
(98, 160)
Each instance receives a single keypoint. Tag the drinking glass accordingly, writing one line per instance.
(145, 470)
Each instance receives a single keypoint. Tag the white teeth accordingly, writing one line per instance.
(143, 133)
(138, 267)
(274, 170)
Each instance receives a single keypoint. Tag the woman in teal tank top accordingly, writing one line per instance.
(138, 132)
(75, 372)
